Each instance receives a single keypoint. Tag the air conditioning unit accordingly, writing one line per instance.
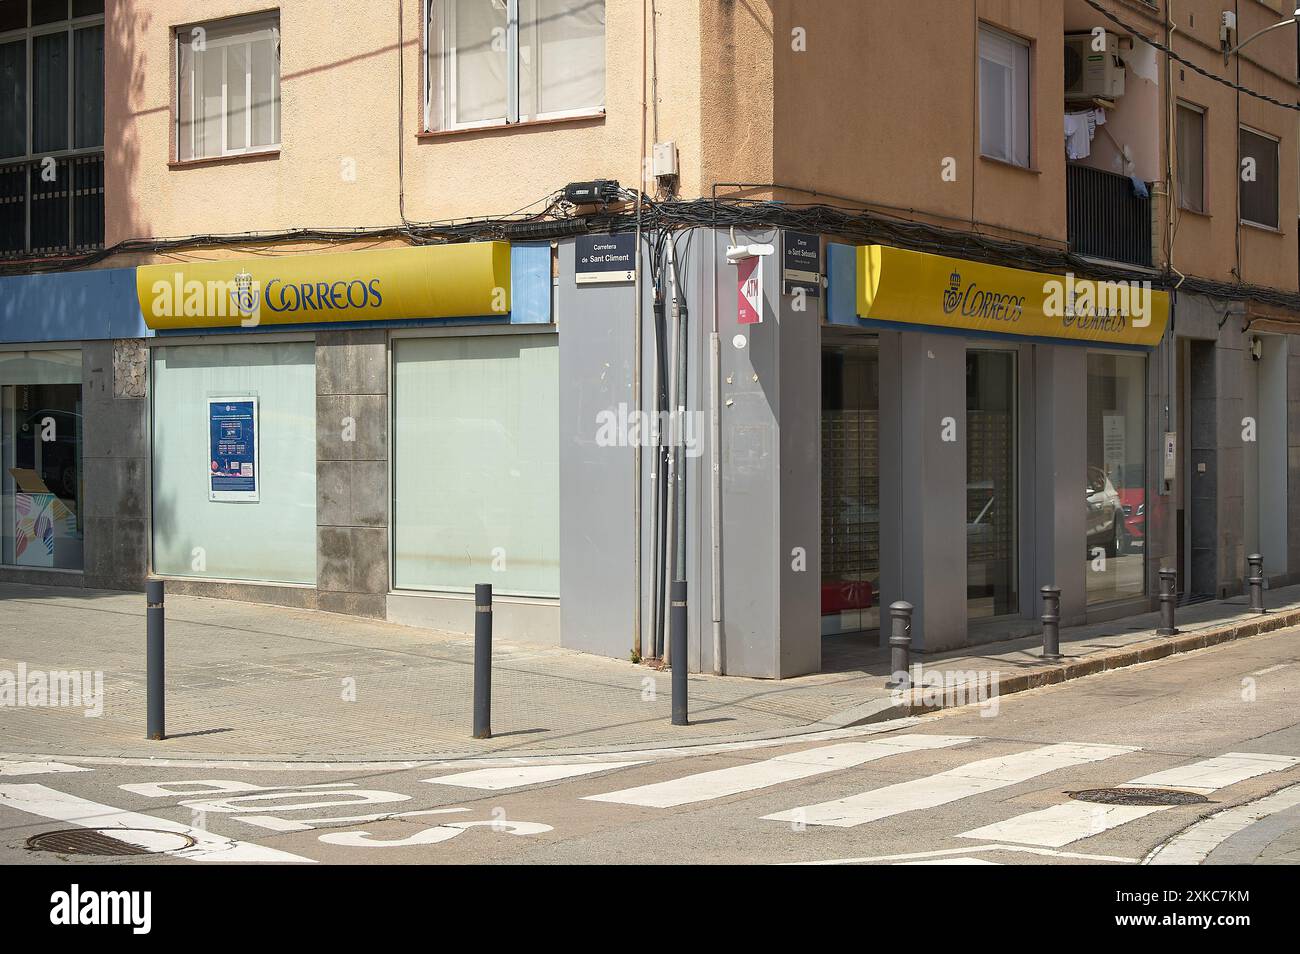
(1089, 73)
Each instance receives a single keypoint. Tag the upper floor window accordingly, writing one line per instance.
(1004, 96)
(1191, 157)
(51, 77)
(1258, 173)
(491, 62)
(228, 91)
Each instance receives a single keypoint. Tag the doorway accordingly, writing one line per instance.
(850, 489)
(991, 485)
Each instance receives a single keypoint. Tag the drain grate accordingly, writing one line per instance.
(94, 841)
(1138, 796)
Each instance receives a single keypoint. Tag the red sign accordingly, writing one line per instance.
(749, 298)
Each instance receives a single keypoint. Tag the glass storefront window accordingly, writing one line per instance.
(263, 529)
(1116, 479)
(850, 505)
(476, 474)
(41, 518)
(991, 486)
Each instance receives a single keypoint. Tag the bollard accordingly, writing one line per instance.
(155, 674)
(482, 660)
(1256, 581)
(677, 651)
(1168, 596)
(1051, 621)
(900, 644)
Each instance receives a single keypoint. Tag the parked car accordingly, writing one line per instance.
(1105, 520)
(1133, 500)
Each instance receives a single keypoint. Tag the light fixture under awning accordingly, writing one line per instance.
(429, 281)
(917, 288)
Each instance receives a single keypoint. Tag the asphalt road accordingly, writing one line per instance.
(967, 786)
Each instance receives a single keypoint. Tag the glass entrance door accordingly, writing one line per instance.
(850, 492)
(991, 491)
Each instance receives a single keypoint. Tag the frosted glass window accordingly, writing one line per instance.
(42, 523)
(1004, 96)
(476, 464)
(561, 57)
(273, 539)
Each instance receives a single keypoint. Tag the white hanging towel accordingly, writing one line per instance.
(1078, 142)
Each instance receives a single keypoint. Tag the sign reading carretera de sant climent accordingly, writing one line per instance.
(233, 465)
(917, 288)
(468, 280)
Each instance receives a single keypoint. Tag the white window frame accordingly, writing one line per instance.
(26, 35)
(1204, 114)
(1011, 104)
(443, 38)
(1277, 184)
(223, 44)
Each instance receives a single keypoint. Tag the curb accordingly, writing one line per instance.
(919, 700)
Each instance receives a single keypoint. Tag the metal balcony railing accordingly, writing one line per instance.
(52, 206)
(1106, 219)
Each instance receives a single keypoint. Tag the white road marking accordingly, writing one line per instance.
(977, 778)
(10, 767)
(1195, 844)
(942, 852)
(958, 860)
(134, 827)
(1071, 821)
(1059, 825)
(496, 779)
(677, 751)
(1265, 672)
(784, 768)
(1213, 774)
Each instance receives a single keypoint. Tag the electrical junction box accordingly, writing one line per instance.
(664, 161)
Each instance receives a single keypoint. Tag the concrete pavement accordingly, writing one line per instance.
(961, 786)
(255, 682)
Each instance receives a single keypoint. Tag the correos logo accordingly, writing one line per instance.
(318, 296)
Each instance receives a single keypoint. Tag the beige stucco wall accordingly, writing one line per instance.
(883, 94)
(340, 82)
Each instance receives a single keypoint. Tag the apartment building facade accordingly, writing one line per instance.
(295, 307)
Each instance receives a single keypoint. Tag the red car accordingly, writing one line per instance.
(1133, 500)
(843, 595)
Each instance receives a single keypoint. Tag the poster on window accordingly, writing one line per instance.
(232, 449)
(1113, 447)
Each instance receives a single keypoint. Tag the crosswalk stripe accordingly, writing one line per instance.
(783, 768)
(976, 778)
(514, 776)
(144, 831)
(1062, 824)
(15, 767)
(1219, 772)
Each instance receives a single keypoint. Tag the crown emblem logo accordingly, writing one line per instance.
(244, 296)
(952, 294)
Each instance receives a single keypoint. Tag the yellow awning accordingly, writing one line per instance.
(430, 281)
(917, 288)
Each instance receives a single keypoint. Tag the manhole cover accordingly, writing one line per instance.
(1138, 796)
(93, 841)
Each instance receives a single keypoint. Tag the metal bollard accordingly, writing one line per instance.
(900, 644)
(155, 675)
(1051, 621)
(1256, 581)
(482, 660)
(1168, 596)
(677, 650)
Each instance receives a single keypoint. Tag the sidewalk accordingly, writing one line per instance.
(255, 682)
